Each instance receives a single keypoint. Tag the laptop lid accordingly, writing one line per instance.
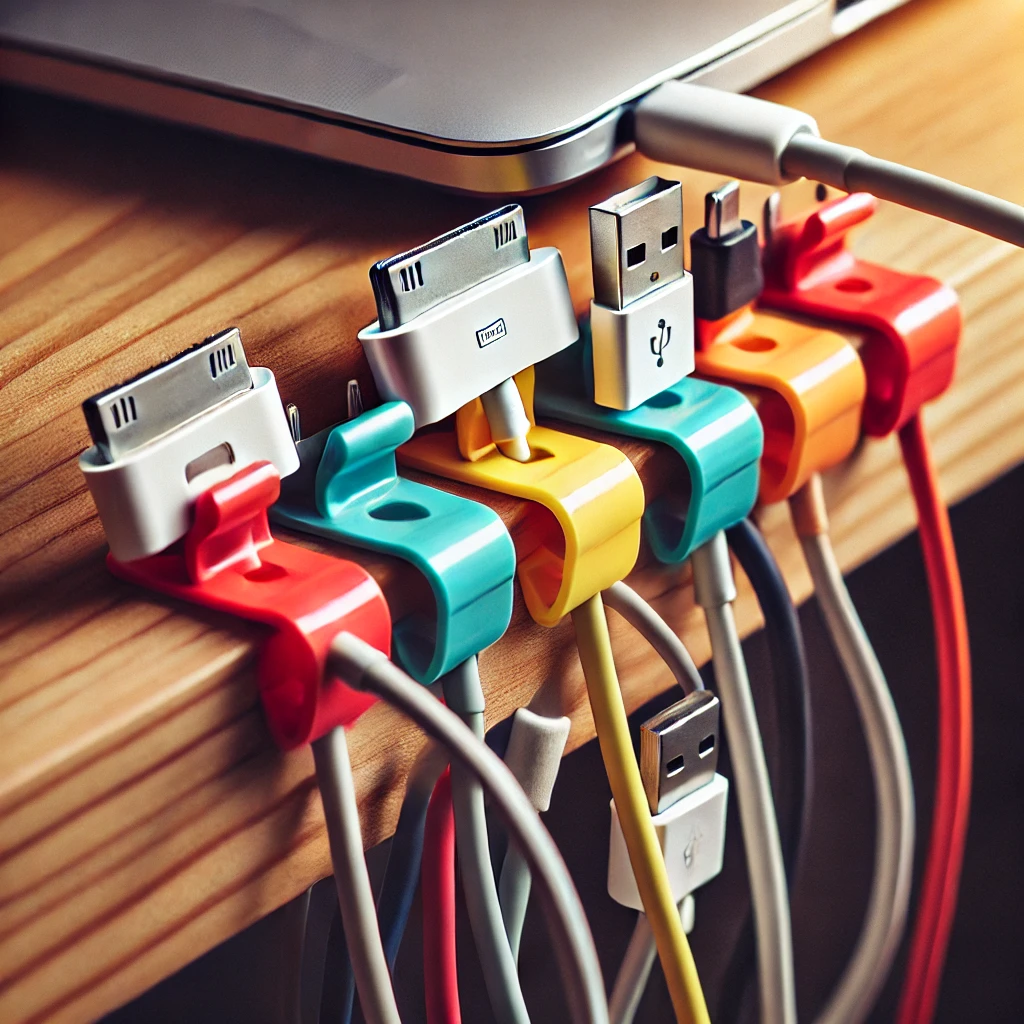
(484, 96)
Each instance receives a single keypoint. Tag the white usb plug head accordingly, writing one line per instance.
(171, 432)
(641, 319)
(687, 798)
(161, 399)
(463, 313)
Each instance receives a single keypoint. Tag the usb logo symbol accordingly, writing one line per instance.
(692, 847)
(660, 341)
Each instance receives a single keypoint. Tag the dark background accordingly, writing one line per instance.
(241, 980)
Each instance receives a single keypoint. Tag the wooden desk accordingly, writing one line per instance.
(144, 814)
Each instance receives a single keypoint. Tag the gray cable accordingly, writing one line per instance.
(657, 632)
(855, 171)
(514, 884)
(464, 695)
(366, 668)
(637, 963)
(355, 897)
(533, 755)
(507, 419)
(715, 590)
(886, 915)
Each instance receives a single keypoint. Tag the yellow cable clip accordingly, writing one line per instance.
(582, 533)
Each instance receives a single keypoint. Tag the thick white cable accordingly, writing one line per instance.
(746, 137)
(366, 668)
(886, 915)
(853, 170)
(506, 416)
(355, 896)
(715, 589)
(657, 632)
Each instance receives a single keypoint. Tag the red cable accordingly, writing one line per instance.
(437, 875)
(953, 773)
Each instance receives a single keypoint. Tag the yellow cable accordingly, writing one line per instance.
(645, 853)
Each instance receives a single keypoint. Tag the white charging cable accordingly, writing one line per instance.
(745, 137)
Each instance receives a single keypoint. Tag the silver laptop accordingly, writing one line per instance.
(487, 96)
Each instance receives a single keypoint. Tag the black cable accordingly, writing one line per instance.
(791, 786)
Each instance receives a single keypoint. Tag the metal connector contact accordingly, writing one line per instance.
(412, 282)
(722, 211)
(679, 749)
(130, 415)
(636, 242)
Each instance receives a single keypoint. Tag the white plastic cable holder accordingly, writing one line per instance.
(145, 497)
(468, 344)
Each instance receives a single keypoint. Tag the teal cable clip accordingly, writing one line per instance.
(713, 428)
(348, 489)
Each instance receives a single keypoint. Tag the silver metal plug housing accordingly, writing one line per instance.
(157, 401)
(636, 242)
(679, 749)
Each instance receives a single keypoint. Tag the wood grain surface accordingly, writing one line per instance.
(144, 813)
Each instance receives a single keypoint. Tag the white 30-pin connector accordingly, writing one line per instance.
(174, 431)
(641, 319)
(459, 316)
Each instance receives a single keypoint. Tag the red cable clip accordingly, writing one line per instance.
(914, 321)
(229, 561)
